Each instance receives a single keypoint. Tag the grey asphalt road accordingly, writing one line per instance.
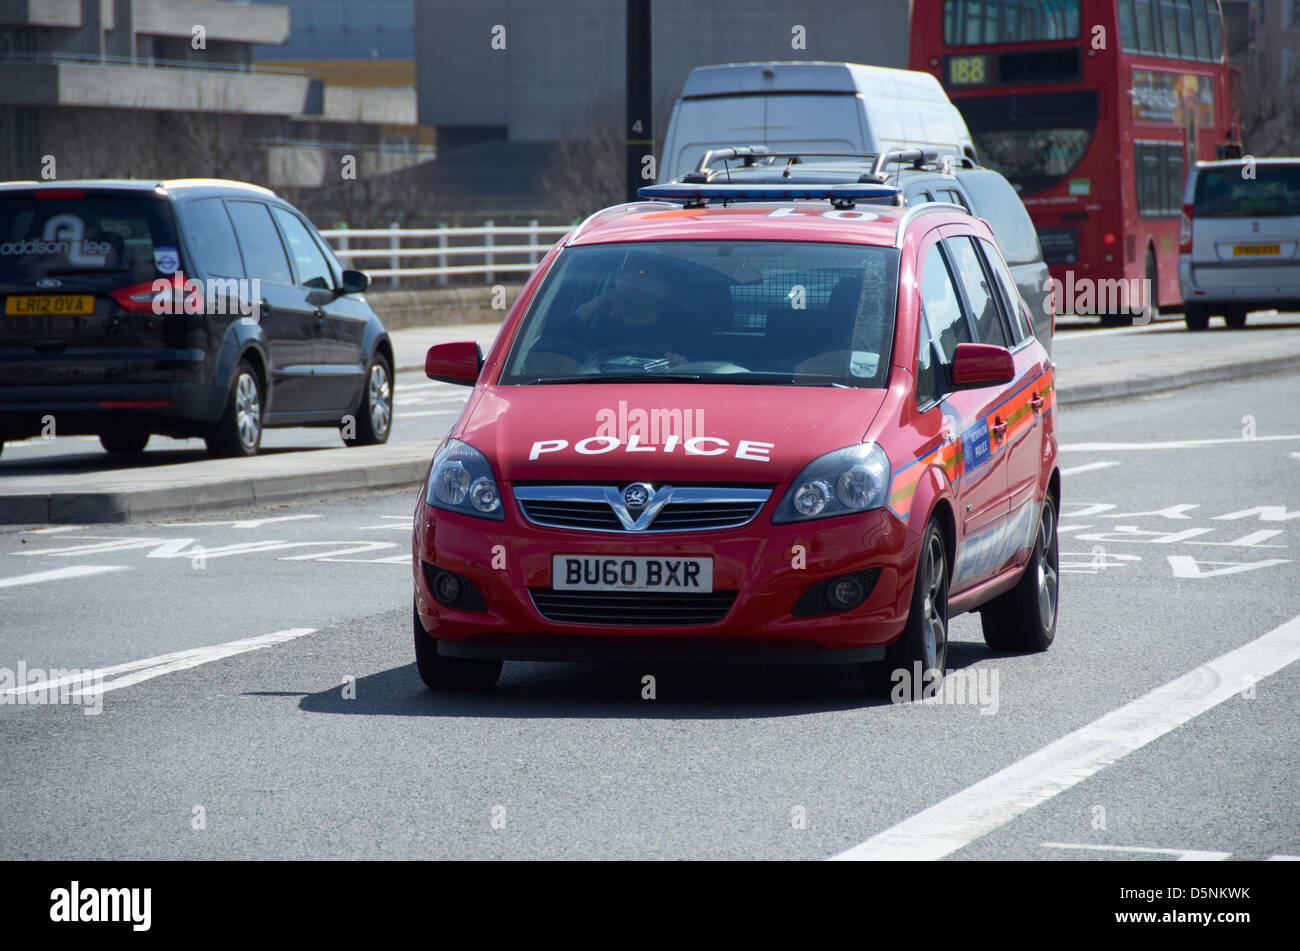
(422, 409)
(1180, 529)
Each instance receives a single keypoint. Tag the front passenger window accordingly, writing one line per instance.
(313, 270)
(979, 291)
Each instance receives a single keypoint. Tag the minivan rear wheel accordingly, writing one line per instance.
(1196, 316)
(239, 430)
(124, 442)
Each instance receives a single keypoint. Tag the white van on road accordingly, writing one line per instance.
(1239, 246)
(829, 107)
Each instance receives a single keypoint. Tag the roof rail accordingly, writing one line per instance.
(624, 208)
(924, 207)
(696, 194)
(753, 154)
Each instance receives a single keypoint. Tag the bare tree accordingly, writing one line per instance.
(1269, 121)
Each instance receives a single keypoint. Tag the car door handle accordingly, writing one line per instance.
(1036, 402)
(263, 307)
(999, 428)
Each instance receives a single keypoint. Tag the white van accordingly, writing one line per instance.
(829, 107)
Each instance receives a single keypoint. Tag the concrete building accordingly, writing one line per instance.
(166, 88)
(498, 76)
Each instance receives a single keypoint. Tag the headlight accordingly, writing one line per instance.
(853, 479)
(461, 480)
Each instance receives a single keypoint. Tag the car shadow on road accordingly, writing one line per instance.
(568, 691)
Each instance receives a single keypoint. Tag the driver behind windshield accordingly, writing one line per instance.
(626, 313)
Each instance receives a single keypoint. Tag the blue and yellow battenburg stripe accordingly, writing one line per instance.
(968, 450)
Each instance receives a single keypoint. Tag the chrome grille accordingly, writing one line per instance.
(601, 508)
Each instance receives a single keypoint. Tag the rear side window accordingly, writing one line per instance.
(1012, 302)
(954, 197)
(1226, 193)
(998, 204)
(313, 270)
(260, 242)
(125, 238)
(211, 238)
(979, 291)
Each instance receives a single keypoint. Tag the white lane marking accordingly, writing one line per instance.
(427, 398)
(244, 523)
(58, 574)
(1284, 858)
(137, 671)
(52, 531)
(440, 412)
(1181, 444)
(1009, 793)
(1295, 455)
(1089, 467)
(1184, 855)
(399, 522)
(1185, 566)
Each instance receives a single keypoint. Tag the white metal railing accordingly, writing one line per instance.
(522, 246)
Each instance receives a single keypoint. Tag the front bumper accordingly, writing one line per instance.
(768, 566)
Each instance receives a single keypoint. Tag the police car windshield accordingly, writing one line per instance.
(783, 313)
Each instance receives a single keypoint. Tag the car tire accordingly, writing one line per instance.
(923, 645)
(1196, 318)
(124, 442)
(1235, 317)
(373, 417)
(239, 430)
(1023, 620)
(440, 672)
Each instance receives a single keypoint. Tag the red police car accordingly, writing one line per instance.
(787, 424)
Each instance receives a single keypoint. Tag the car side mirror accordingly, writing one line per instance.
(975, 365)
(458, 362)
(355, 282)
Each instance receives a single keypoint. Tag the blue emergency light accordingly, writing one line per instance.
(841, 196)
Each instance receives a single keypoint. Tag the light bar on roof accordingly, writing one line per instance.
(692, 193)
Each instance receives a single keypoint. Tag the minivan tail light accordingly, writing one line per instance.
(185, 297)
(1185, 230)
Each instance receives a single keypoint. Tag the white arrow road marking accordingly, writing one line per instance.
(1185, 566)
(243, 523)
(137, 671)
(72, 571)
(1184, 855)
(1009, 793)
(1180, 444)
(1075, 470)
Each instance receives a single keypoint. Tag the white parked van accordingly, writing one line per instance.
(830, 107)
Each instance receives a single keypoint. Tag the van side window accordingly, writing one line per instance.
(919, 196)
(952, 196)
(979, 291)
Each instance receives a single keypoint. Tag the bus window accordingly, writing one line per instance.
(985, 22)
(1185, 31)
(1128, 39)
(1145, 29)
(1159, 178)
(1216, 31)
(1168, 28)
(1201, 27)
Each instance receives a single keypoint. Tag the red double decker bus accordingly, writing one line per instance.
(1094, 110)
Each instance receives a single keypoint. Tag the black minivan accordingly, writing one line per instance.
(196, 307)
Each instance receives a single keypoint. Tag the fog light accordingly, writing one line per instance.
(446, 587)
(843, 593)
